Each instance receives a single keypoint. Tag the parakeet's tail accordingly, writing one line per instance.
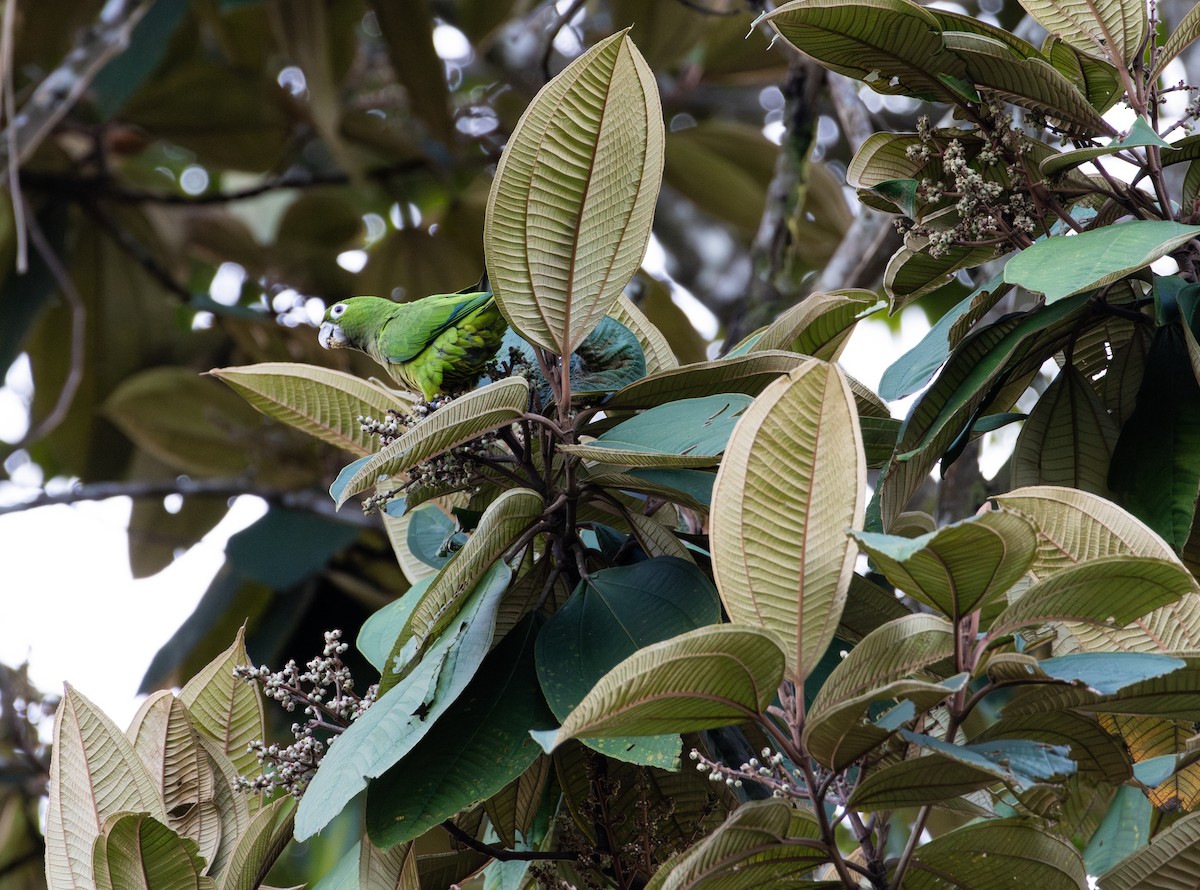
(484, 284)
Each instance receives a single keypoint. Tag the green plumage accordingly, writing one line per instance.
(432, 346)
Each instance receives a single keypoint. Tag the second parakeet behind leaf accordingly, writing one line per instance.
(433, 345)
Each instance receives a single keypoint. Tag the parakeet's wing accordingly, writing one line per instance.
(414, 325)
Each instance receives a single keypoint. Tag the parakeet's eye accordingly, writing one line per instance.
(338, 310)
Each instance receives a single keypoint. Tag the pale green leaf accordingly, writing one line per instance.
(478, 565)
(1068, 438)
(94, 774)
(658, 352)
(792, 481)
(260, 845)
(137, 852)
(570, 209)
(392, 726)
(226, 708)
(465, 418)
(476, 748)
(703, 679)
(893, 46)
(1069, 264)
(818, 325)
(1001, 852)
(1110, 591)
(184, 773)
(958, 568)
(1107, 28)
(895, 651)
(1073, 527)
(320, 401)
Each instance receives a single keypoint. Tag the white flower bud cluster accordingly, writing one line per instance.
(990, 189)
(325, 692)
(770, 772)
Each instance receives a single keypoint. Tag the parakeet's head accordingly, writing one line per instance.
(349, 321)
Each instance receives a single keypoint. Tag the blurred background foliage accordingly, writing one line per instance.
(190, 182)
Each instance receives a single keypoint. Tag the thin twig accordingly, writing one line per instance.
(78, 327)
(8, 107)
(560, 21)
(499, 853)
(138, 251)
(314, 501)
(61, 88)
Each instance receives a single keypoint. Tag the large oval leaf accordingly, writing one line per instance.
(570, 209)
(1023, 854)
(479, 746)
(791, 483)
(504, 521)
(892, 45)
(392, 726)
(1073, 527)
(1111, 591)
(681, 433)
(1116, 28)
(611, 615)
(1065, 265)
(137, 852)
(961, 567)
(320, 401)
(703, 679)
(819, 325)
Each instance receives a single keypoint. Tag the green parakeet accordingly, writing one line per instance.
(432, 345)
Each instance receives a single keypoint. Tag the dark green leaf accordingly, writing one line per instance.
(611, 615)
(686, 432)
(478, 746)
(1156, 463)
(403, 715)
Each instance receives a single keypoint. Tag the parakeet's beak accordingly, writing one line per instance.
(331, 335)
